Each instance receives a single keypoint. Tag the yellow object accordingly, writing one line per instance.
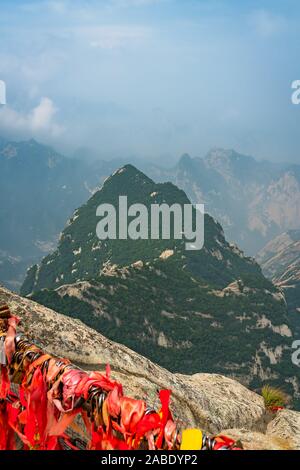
(191, 439)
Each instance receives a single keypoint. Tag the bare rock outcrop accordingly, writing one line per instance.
(282, 433)
(286, 425)
(211, 402)
(252, 440)
(227, 401)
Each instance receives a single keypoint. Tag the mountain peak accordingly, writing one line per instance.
(130, 170)
(128, 175)
(130, 167)
(185, 161)
(217, 155)
(231, 164)
(185, 157)
(32, 141)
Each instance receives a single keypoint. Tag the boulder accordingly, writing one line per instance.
(286, 425)
(252, 440)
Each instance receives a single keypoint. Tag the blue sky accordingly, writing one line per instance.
(152, 78)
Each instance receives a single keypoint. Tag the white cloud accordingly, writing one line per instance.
(2, 92)
(42, 116)
(267, 24)
(37, 123)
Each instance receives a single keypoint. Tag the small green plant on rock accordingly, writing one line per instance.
(274, 397)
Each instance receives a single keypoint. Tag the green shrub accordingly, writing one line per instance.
(274, 397)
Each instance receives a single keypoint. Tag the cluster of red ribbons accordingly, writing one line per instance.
(51, 397)
(53, 394)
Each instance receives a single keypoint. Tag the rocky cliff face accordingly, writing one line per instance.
(280, 260)
(280, 256)
(211, 402)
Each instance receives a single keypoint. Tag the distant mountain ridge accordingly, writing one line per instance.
(40, 189)
(253, 200)
(208, 310)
